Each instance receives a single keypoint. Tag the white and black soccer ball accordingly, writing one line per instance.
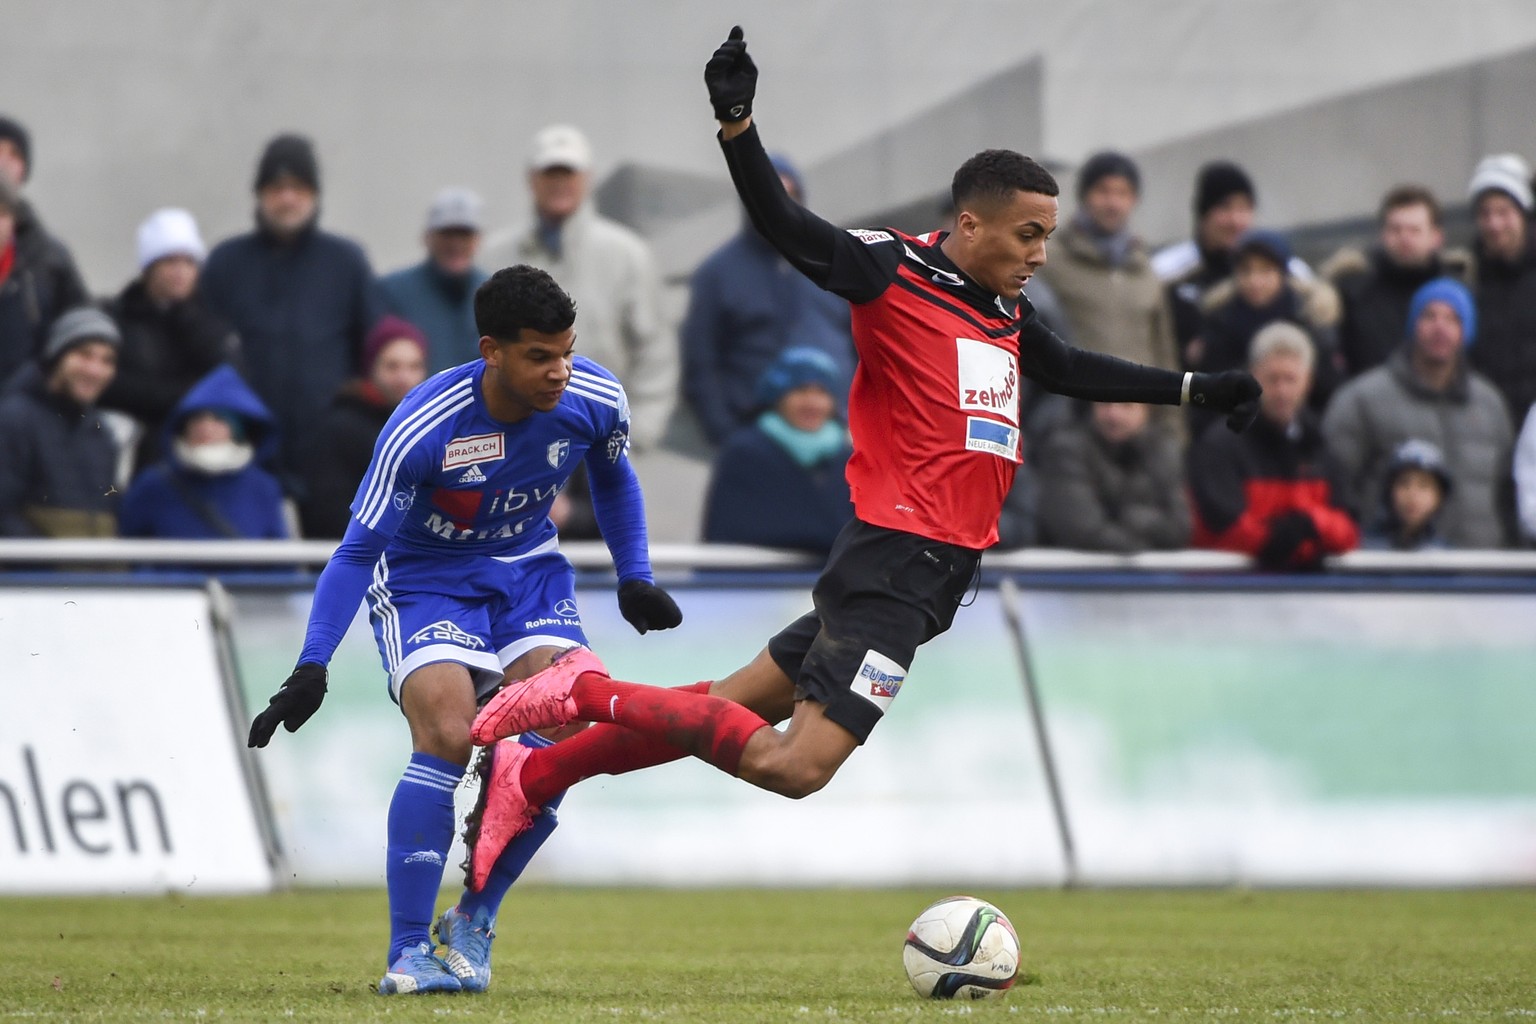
(961, 948)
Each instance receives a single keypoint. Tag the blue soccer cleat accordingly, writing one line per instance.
(418, 970)
(467, 946)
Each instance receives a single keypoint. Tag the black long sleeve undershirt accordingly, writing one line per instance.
(861, 272)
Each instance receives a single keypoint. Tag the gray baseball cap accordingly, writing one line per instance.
(455, 208)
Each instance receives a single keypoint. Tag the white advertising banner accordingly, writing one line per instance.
(1200, 737)
(120, 768)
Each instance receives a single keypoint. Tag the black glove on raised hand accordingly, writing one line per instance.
(1288, 531)
(1233, 392)
(646, 606)
(732, 79)
(292, 705)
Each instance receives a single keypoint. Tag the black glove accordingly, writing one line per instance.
(732, 79)
(1234, 392)
(1288, 531)
(295, 701)
(646, 606)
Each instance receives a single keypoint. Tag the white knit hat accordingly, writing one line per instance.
(1507, 172)
(169, 232)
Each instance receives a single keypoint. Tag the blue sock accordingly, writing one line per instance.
(420, 832)
(509, 866)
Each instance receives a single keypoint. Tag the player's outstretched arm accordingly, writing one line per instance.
(1096, 377)
(338, 592)
(804, 239)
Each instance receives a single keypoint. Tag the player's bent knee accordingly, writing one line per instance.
(792, 778)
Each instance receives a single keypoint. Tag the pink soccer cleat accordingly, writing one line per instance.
(542, 701)
(501, 812)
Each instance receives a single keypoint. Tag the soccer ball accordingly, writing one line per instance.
(961, 946)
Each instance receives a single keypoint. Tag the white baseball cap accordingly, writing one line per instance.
(560, 145)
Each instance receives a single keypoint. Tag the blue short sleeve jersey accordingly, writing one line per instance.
(446, 477)
(451, 539)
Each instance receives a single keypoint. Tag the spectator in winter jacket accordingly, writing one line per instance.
(1224, 202)
(1261, 292)
(395, 360)
(1101, 273)
(171, 340)
(1112, 481)
(1426, 391)
(610, 272)
(301, 299)
(1505, 279)
(1376, 286)
(1272, 492)
(57, 458)
(209, 486)
(1415, 487)
(1525, 478)
(781, 482)
(746, 305)
(438, 294)
(38, 279)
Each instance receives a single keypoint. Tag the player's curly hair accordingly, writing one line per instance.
(993, 175)
(518, 297)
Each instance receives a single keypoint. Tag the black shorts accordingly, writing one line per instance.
(883, 594)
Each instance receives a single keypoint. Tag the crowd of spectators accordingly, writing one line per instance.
(237, 391)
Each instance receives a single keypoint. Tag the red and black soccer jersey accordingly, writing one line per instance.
(934, 408)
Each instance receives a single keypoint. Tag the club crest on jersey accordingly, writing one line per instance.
(557, 451)
(467, 451)
(448, 631)
(618, 444)
(879, 679)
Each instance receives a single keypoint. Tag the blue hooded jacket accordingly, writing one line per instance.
(173, 500)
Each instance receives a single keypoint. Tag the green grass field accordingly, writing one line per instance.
(725, 956)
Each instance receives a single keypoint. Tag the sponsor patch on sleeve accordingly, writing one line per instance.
(993, 437)
(869, 237)
(878, 680)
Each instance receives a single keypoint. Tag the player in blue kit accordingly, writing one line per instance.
(451, 542)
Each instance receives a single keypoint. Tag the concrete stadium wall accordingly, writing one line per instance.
(134, 106)
(168, 102)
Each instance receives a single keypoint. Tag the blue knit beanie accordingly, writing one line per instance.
(787, 168)
(794, 368)
(1454, 294)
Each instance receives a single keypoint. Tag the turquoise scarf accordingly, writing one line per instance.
(806, 447)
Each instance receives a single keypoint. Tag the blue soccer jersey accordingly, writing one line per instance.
(451, 537)
(446, 477)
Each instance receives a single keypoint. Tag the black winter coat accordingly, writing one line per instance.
(1505, 347)
(1376, 293)
(42, 284)
(337, 456)
(57, 464)
(164, 352)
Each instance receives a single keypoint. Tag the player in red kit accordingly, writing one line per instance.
(944, 337)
